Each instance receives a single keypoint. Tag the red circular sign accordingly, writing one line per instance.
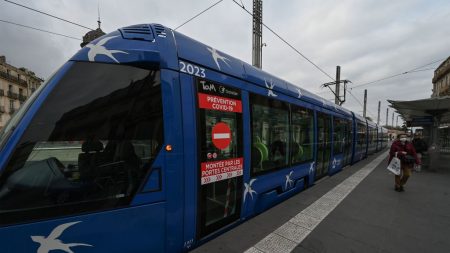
(221, 135)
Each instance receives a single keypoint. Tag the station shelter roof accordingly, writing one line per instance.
(421, 109)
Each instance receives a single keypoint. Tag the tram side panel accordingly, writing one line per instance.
(360, 140)
(127, 192)
(342, 148)
(280, 159)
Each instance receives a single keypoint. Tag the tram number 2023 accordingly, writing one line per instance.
(192, 69)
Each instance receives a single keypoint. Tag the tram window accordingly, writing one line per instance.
(212, 118)
(302, 134)
(371, 138)
(89, 146)
(361, 138)
(270, 134)
(221, 154)
(339, 135)
(221, 196)
(374, 138)
(323, 143)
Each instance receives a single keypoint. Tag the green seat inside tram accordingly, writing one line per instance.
(260, 153)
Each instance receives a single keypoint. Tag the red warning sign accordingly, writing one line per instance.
(221, 170)
(221, 135)
(208, 101)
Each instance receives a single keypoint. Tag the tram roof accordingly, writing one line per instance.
(192, 50)
(155, 43)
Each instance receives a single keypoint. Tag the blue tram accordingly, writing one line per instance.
(149, 140)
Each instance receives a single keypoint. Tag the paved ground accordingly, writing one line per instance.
(372, 218)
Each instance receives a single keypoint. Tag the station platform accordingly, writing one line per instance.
(356, 210)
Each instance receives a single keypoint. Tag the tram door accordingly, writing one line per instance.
(348, 132)
(323, 144)
(221, 155)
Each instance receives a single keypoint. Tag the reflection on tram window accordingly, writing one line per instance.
(221, 156)
(339, 135)
(89, 146)
(348, 141)
(361, 137)
(302, 133)
(270, 134)
(323, 144)
(222, 196)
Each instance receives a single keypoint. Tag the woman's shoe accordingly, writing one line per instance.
(401, 189)
(397, 188)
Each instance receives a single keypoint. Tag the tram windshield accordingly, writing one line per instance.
(88, 147)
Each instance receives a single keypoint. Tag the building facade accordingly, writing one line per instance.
(441, 80)
(16, 85)
(92, 35)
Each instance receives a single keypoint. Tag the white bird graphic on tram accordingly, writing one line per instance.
(51, 242)
(98, 49)
(248, 189)
(311, 168)
(289, 180)
(335, 163)
(216, 57)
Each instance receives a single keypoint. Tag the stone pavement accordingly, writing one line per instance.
(371, 218)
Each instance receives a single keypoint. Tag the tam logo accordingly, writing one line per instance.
(208, 87)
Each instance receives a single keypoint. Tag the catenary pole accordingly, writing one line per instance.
(387, 115)
(379, 108)
(365, 103)
(337, 98)
(257, 34)
(393, 113)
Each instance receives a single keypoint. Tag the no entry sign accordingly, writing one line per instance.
(221, 135)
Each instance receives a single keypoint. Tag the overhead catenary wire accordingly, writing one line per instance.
(47, 14)
(200, 13)
(287, 43)
(416, 69)
(420, 70)
(38, 29)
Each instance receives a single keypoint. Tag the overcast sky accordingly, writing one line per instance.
(369, 39)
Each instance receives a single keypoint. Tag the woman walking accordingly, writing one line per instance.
(407, 154)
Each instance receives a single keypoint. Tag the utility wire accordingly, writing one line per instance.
(296, 50)
(417, 69)
(287, 43)
(433, 62)
(41, 30)
(420, 70)
(404, 73)
(189, 20)
(65, 20)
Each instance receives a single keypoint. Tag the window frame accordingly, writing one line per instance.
(201, 191)
(312, 143)
(362, 146)
(83, 206)
(287, 106)
(342, 122)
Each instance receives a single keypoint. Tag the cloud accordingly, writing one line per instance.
(368, 39)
